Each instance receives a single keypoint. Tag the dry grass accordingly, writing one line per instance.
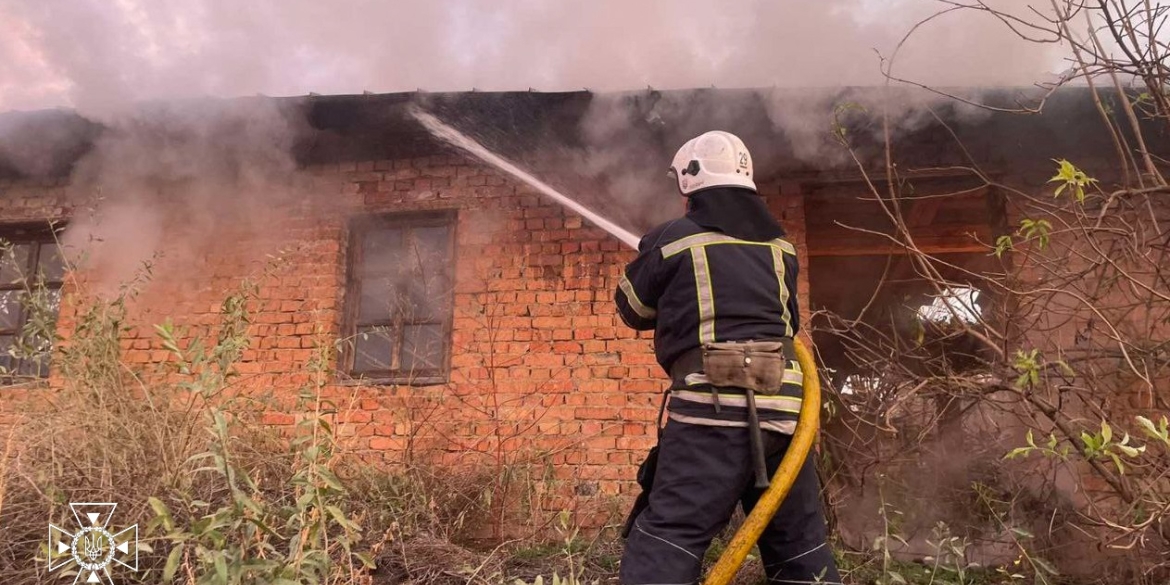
(212, 490)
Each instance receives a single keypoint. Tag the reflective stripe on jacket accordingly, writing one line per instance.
(692, 286)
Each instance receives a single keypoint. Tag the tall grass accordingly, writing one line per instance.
(219, 497)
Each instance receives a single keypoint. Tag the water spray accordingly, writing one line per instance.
(461, 140)
(745, 538)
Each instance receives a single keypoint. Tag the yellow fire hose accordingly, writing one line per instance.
(802, 441)
(806, 425)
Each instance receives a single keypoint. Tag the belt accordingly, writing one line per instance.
(691, 361)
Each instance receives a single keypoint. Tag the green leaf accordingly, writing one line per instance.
(1021, 533)
(1147, 425)
(160, 509)
(1131, 451)
(247, 502)
(1153, 431)
(339, 517)
(1070, 176)
(263, 527)
(1017, 452)
(366, 560)
(1003, 244)
(221, 571)
(896, 577)
(330, 479)
(1117, 462)
(163, 513)
(172, 565)
(1106, 432)
(305, 501)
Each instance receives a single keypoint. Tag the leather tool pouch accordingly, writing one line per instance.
(753, 365)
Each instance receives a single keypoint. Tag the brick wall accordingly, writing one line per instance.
(543, 371)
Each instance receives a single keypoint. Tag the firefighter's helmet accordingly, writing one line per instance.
(712, 159)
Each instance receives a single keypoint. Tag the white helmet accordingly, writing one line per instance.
(713, 159)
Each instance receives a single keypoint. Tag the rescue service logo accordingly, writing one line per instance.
(94, 548)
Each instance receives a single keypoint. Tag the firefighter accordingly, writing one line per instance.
(718, 288)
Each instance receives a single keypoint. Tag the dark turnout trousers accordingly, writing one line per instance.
(703, 472)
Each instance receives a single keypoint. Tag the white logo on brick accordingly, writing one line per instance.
(93, 549)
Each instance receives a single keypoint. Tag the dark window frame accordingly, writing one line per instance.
(37, 236)
(357, 229)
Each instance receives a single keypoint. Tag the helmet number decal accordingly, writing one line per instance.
(743, 160)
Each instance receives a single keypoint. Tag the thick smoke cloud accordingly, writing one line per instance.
(114, 60)
(98, 55)
(177, 184)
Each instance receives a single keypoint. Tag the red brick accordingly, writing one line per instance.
(355, 416)
(386, 444)
(596, 413)
(534, 287)
(277, 418)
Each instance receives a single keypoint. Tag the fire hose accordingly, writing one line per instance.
(806, 426)
(802, 440)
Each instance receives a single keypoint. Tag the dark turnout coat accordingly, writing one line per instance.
(723, 272)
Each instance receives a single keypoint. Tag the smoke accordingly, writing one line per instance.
(113, 61)
(190, 182)
(98, 55)
(173, 174)
(626, 140)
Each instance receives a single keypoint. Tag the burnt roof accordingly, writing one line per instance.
(340, 128)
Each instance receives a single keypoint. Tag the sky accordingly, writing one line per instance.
(105, 58)
(99, 55)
